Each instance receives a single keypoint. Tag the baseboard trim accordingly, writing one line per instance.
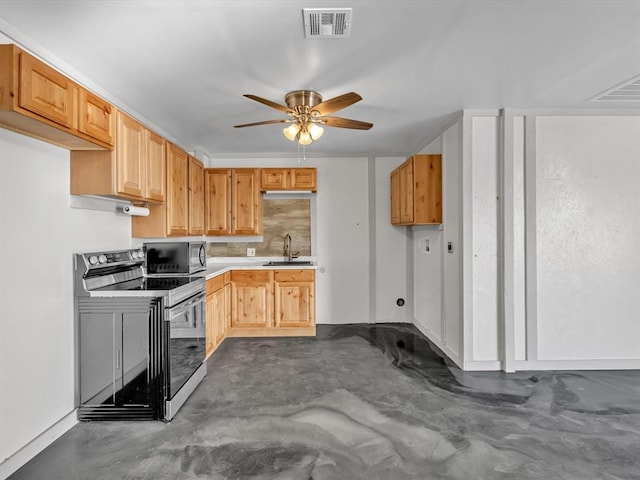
(12, 463)
(599, 364)
(482, 366)
(442, 349)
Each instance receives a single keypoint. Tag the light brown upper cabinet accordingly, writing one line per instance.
(134, 170)
(217, 201)
(39, 101)
(95, 117)
(156, 167)
(288, 179)
(233, 204)
(395, 197)
(131, 162)
(183, 212)
(416, 191)
(177, 205)
(196, 196)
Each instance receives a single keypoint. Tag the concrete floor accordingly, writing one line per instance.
(365, 402)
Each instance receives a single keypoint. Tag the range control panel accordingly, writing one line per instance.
(115, 258)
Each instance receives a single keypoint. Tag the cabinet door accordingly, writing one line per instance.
(219, 315)
(156, 167)
(95, 117)
(130, 157)
(217, 194)
(273, 178)
(251, 299)
(177, 190)
(196, 197)
(246, 203)
(395, 197)
(302, 179)
(45, 91)
(227, 309)
(406, 192)
(294, 298)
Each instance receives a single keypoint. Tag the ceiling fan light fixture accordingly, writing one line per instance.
(304, 137)
(291, 132)
(315, 131)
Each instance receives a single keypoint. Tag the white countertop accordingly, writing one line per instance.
(219, 265)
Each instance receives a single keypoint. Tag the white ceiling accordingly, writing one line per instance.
(183, 66)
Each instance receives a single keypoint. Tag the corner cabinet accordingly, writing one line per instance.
(272, 303)
(233, 205)
(416, 191)
(288, 179)
(134, 170)
(39, 101)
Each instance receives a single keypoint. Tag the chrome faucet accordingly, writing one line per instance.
(287, 249)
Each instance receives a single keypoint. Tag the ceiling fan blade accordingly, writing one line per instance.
(266, 122)
(269, 103)
(337, 103)
(345, 123)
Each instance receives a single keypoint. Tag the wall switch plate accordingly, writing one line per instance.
(251, 252)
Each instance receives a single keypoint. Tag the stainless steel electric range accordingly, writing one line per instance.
(140, 340)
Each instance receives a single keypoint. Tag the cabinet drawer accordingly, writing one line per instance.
(251, 276)
(304, 275)
(215, 283)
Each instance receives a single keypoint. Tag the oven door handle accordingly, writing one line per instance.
(181, 308)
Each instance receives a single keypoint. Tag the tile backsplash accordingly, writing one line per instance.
(279, 218)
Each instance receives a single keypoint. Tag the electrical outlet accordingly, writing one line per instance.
(251, 252)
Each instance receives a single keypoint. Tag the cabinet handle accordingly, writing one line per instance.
(118, 359)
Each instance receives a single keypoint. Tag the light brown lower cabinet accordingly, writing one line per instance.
(260, 303)
(218, 311)
(272, 303)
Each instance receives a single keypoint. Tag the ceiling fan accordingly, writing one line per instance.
(308, 113)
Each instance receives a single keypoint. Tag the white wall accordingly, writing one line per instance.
(483, 346)
(437, 275)
(342, 234)
(39, 233)
(587, 172)
(425, 270)
(390, 250)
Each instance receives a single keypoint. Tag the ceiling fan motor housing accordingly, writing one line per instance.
(302, 98)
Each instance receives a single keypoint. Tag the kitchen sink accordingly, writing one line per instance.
(285, 263)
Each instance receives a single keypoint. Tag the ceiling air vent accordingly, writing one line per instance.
(628, 91)
(327, 22)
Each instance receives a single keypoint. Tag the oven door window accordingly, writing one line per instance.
(186, 341)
